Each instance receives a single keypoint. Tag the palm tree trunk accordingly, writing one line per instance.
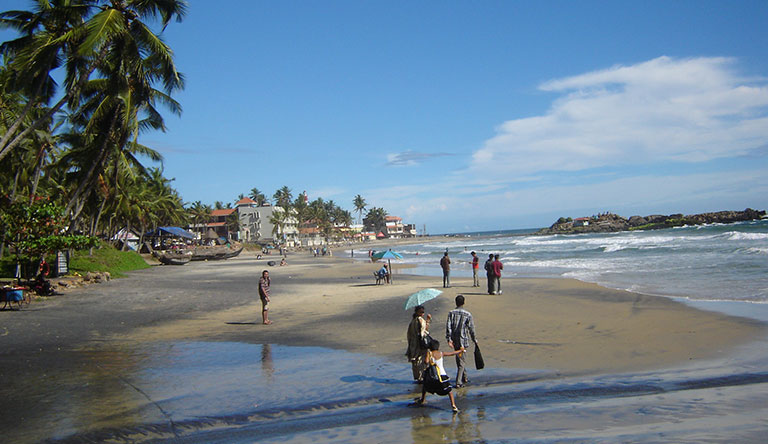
(84, 189)
(36, 174)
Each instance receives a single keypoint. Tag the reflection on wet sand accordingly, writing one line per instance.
(238, 393)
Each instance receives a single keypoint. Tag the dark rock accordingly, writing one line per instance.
(608, 222)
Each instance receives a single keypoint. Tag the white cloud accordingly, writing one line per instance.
(665, 109)
(412, 158)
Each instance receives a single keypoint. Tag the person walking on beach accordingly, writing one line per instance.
(497, 267)
(489, 274)
(442, 385)
(475, 267)
(445, 264)
(459, 329)
(264, 295)
(418, 337)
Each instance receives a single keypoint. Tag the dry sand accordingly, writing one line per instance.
(557, 324)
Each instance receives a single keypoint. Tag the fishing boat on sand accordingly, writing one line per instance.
(215, 252)
(167, 257)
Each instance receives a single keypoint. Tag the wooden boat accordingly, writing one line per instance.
(173, 257)
(215, 253)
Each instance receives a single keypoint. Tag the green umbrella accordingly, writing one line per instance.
(388, 255)
(422, 296)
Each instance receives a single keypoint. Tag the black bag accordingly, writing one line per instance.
(434, 383)
(479, 363)
(426, 340)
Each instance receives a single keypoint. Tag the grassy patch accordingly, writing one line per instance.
(107, 258)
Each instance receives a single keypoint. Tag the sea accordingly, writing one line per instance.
(716, 262)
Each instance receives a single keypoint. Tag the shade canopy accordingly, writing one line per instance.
(389, 254)
(173, 231)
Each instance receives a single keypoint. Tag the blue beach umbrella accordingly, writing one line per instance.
(422, 296)
(388, 255)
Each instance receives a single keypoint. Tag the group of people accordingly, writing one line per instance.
(493, 267)
(424, 351)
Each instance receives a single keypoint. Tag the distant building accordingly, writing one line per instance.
(395, 227)
(288, 235)
(250, 220)
(581, 222)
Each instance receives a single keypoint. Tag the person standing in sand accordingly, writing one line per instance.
(489, 274)
(497, 267)
(418, 332)
(475, 267)
(459, 329)
(264, 283)
(445, 264)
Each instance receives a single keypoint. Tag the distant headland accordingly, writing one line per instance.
(609, 222)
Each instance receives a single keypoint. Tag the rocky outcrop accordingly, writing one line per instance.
(609, 222)
(76, 280)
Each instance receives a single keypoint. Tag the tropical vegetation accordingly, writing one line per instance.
(74, 143)
(80, 84)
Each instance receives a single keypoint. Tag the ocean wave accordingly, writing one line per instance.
(740, 235)
(755, 250)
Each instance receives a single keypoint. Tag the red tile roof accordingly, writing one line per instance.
(246, 201)
(224, 212)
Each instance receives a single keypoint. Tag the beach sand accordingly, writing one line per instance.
(175, 352)
(556, 324)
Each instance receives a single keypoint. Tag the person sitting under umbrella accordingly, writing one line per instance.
(383, 273)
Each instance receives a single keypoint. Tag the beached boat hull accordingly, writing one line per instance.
(167, 258)
(215, 253)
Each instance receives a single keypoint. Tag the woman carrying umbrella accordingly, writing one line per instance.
(418, 332)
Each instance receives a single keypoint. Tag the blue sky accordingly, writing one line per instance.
(469, 116)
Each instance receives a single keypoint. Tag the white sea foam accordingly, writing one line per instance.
(738, 235)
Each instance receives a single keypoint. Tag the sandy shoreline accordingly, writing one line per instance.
(555, 324)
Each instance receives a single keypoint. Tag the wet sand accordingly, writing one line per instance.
(148, 356)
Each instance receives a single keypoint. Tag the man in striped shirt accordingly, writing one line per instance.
(459, 329)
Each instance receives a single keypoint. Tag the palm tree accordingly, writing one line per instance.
(47, 37)
(375, 220)
(283, 197)
(200, 214)
(279, 219)
(301, 208)
(90, 35)
(360, 205)
(258, 196)
(233, 223)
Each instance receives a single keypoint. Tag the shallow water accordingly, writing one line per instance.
(242, 393)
